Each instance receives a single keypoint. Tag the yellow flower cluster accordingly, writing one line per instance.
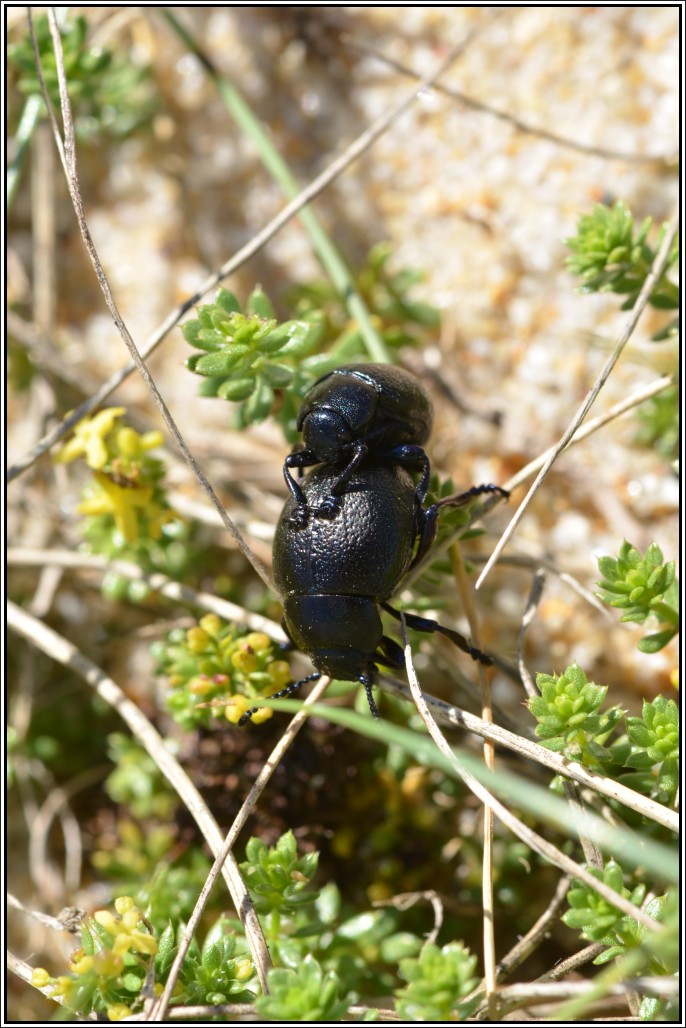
(118, 487)
(108, 962)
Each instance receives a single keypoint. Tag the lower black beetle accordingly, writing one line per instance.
(356, 410)
(334, 575)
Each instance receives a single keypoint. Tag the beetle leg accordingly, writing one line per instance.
(391, 654)
(293, 687)
(460, 499)
(414, 455)
(299, 459)
(332, 503)
(421, 624)
(428, 519)
(367, 680)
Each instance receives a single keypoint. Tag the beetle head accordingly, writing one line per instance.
(326, 433)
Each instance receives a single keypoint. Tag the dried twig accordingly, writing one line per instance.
(527, 945)
(68, 921)
(64, 652)
(406, 900)
(656, 270)
(67, 152)
(449, 714)
(513, 997)
(536, 842)
(531, 605)
(478, 105)
(159, 1011)
(156, 581)
(464, 587)
(630, 402)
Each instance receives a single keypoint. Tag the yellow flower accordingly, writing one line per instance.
(79, 962)
(88, 438)
(40, 977)
(235, 708)
(263, 714)
(118, 1011)
(124, 928)
(132, 445)
(124, 904)
(243, 970)
(121, 502)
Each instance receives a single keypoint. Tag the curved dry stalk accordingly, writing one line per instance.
(532, 602)
(532, 839)
(636, 398)
(159, 1011)
(23, 556)
(406, 900)
(64, 652)
(57, 805)
(68, 921)
(67, 152)
(658, 266)
(527, 945)
(464, 588)
(451, 715)
(511, 119)
(24, 971)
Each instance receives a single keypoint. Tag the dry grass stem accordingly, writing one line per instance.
(529, 614)
(156, 581)
(159, 1011)
(659, 265)
(524, 127)
(527, 835)
(451, 715)
(64, 652)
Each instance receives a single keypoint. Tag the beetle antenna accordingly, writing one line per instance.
(293, 687)
(367, 680)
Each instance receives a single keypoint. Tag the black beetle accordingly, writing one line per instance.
(356, 410)
(334, 575)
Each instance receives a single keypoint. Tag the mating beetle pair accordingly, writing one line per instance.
(353, 528)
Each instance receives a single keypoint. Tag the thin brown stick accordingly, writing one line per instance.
(43, 217)
(67, 151)
(531, 606)
(451, 715)
(536, 842)
(573, 963)
(25, 971)
(464, 588)
(513, 997)
(159, 1011)
(64, 652)
(592, 853)
(634, 399)
(486, 505)
(658, 266)
(511, 119)
(157, 582)
(68, 921)
(527, 945)
(406, 900)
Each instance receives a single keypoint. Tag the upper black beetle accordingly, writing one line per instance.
(335, 574)
(356, 410)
